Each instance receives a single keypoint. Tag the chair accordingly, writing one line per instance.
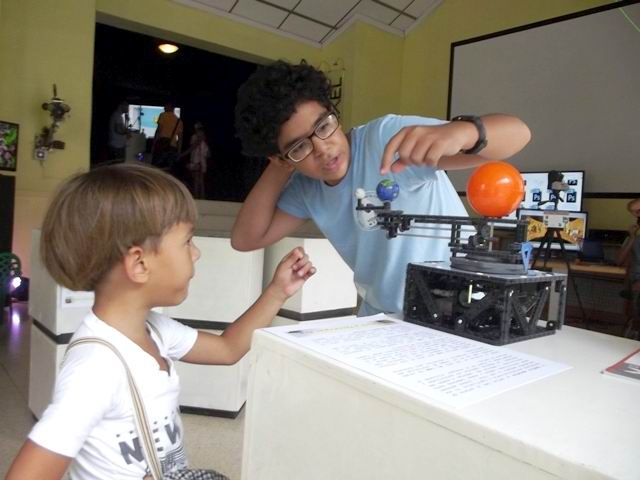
(9, 268)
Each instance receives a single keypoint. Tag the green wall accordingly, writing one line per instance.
(42, 43)
(373, 63)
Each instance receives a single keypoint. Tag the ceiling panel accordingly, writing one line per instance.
(420, 7)
(326, 11)
(260, 12)
(376, 11)
(314, 20)
(397, 4)
(403, 23)
(288, 4)
(225, 5)
(305, 28)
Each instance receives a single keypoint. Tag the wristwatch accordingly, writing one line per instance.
(482, 133)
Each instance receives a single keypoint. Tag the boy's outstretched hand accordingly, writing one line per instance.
(292, 271)
(226, 349)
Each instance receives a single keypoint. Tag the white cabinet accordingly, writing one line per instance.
(56, 312)
(225, 284)
(329, 293)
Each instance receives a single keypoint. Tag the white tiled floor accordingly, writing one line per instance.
(210, 442)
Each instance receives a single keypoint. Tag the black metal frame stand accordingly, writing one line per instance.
(551, 235)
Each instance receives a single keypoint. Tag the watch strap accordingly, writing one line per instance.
(482, 133)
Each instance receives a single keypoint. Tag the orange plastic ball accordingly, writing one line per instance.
(495, 189)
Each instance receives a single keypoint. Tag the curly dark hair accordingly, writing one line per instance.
(268, 99)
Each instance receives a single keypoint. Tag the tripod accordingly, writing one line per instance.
(554, 233)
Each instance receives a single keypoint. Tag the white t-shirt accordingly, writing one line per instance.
(91, 416)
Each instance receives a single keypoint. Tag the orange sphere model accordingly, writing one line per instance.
(495, 189)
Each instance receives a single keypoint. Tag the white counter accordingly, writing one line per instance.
(314, 418)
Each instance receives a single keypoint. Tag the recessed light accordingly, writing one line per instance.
(168, 48)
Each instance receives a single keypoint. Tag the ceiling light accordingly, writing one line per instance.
(168, 48)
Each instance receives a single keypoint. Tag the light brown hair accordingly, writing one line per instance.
(95, 217)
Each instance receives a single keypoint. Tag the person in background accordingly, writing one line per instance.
(167, 141)
(118, 133)
(199, 154)
(284, 113)
(629, 256)
(125, 231)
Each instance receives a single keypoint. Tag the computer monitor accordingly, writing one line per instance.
(537, 195)
(145, 118)
(572, 227)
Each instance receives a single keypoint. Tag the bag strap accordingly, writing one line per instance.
(140, 414)
(174, 130)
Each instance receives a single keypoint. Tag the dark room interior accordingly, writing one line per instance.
(203, 85)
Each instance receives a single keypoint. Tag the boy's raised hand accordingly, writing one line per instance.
(425, 145)
(292, 271)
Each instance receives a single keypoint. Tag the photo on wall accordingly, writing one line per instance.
(8, 146)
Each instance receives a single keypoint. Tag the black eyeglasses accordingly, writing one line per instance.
(324, 129)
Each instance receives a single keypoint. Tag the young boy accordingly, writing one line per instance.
(629, 257)
(125, 231)
(284, 113)
(629, 254)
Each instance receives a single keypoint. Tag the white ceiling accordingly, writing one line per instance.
(319, 21)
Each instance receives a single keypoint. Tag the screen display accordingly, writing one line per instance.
(537, 195)
(572, 227)
(145, 118)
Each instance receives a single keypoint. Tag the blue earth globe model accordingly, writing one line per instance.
(387, 190)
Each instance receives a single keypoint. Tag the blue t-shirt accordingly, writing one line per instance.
(379, 263)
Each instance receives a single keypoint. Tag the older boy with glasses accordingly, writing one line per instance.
(284, 113)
